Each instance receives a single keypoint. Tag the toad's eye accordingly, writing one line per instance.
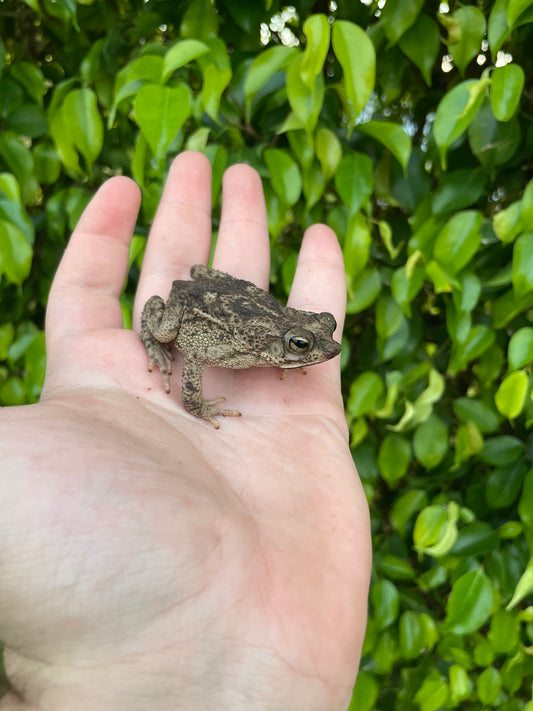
(299, 344)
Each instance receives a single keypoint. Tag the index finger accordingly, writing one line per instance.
(89, 279)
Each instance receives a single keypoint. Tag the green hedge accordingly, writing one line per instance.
(409, 132)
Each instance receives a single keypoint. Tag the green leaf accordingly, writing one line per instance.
(458, 240)
(520, 349)
(488, 686)
(460, 684)
(504, 632)
(504, 484)
(363, 290)
(525, 506)
(365, 693)
(328, 151)
(431, 442)
(524, 587)
(317, 31)
(284, 175)
(7, 333)
(354, 180)
(459, 189)
(455, 113)
(394, 457)
(432, 695)
(507, 223)
(263, 68)
(179, 54)
(417, 634)
(28, 120)
(523, 265)
(481, 414)
(357, 57)
(466, 29)
(501, 450)
(506, 87)
(356, 248)
(385, 600)
(510, 397)
(498, 29)
(435, 530)
(479, 339)
(200, 20)
(160, 112)
(19, 160)
(81, 115)
(421, 44)
(470, 603)
(405, 506)
(47, 163)
(31, 78)
(306, 101)
(468, 442)
(526, 206)
(15, 253)
(515, 8)
(476, 538)
(398, 16)
(365, 391)
(392, 136)
(493, 142)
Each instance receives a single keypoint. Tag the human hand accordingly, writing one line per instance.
(148, 560)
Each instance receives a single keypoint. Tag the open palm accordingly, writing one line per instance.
(150, 561)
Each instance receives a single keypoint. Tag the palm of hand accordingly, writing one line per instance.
(242, 551)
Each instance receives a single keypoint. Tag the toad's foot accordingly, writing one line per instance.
(209, 411)
(158, 354)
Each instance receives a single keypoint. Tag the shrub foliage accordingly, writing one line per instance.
(405, 126)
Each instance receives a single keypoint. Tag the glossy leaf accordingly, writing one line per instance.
(498, 27)
(81, 115)
(180, 54)
(510, 397)
(160, 113)
(417, 634)
(356, 248)
(364, 393)
(398, 16)
(430, 442)
(306, 101)
(520, 351)
(385, 600)
(466, 29)
(394, 457)
(317, 32)
(421, 43)
(263, 68)
(328, 151)
(15, 253)
(523, 264)
(354, 180)
(392, 136)
(507, 83)
(357, 57)
(455, 113)
(458, 240)
(470, 603)
(284, 175)
(435, 530)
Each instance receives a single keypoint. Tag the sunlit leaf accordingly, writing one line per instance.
(357, 57)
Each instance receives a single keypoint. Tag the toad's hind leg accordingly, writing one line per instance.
(158, 327)
(192, 395)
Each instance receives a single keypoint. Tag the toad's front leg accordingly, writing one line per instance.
(159, 325)
(191, 393)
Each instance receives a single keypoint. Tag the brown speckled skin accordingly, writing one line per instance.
(217, 320)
